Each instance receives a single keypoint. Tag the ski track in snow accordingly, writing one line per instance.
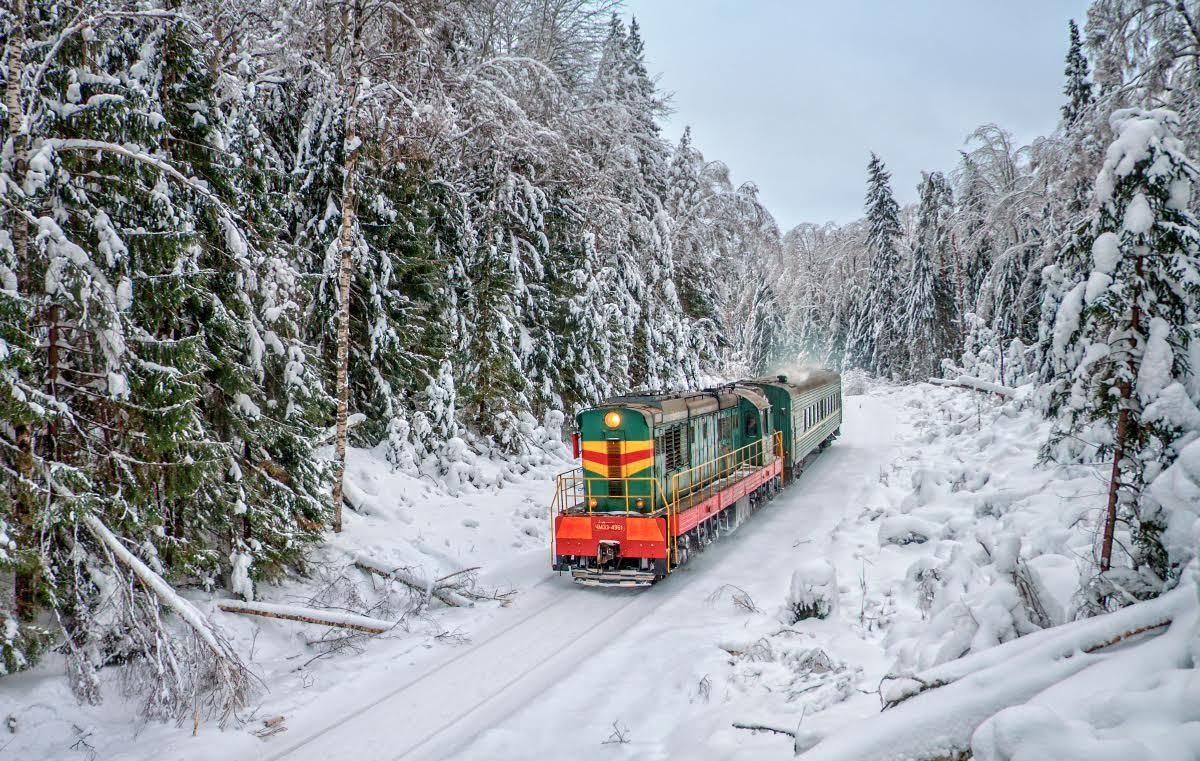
(550, 683)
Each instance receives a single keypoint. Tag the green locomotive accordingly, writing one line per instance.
(667, 473)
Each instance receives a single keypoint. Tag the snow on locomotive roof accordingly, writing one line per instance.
(812, 379)
(669, 407)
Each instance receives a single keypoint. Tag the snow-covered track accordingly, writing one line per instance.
(446, 706)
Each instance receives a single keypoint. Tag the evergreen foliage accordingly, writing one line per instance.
(927, 314)
(1122, 333)
(175, 212)
(875, 341)
(1078, 88)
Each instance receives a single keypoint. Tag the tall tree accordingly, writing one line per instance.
(1122, 333)
(766, 349)
(875, 341)
(927, 314)
(1078, 88)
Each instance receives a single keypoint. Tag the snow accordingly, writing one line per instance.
(1137, 132)
(1178, 490)
(1139, 218)
(1106, 252)
(239, 581)
(246, 405)
(1066, 322)
(1157, 367)
(546, 674)
(813, 592)
(907, 529)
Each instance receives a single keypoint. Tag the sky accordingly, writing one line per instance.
(795, 95)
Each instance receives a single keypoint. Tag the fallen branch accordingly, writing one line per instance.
(1060, 642)
(942, 724)
(975, 384)
(445, 593)
(165, 593)
(221, 682)
(765, 728)
(442, 582)
(308, 615)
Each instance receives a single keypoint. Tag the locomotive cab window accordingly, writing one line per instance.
(751, 425)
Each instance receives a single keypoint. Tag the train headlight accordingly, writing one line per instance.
(612, 419)
(593, 502)
(641, 503)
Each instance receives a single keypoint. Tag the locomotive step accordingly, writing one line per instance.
(626, 578)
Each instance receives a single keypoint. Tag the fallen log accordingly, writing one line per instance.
(308, 615)
(444, 593)
(765, 728)
(944, 723)
(975, 384)
(1061, 642)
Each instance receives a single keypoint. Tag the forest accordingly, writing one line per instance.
(240, 236)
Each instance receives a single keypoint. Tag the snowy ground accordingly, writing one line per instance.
(928, 508)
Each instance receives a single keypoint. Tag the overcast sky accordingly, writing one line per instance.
(794, 95)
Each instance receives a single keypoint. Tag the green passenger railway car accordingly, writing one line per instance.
(663, 475)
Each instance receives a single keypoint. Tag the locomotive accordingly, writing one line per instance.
(664, 475)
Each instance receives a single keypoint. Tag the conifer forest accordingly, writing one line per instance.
(299, 300)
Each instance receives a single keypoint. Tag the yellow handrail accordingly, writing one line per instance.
(713, 471)
(574, 489)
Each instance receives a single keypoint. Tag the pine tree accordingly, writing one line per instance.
(1072, 170)
(1121, 335)
(1078, 88)
(875, 342)
(927, 315)
(161, 342)
(974, 234)
(766, 350)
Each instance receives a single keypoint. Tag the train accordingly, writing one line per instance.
(663, 475)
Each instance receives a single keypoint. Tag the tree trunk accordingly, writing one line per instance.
(1114, 484)
(1125, 424)
(308, 616)
(24, 582)
(345, 271)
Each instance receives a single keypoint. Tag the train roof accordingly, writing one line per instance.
(797, 385)
(667, 408)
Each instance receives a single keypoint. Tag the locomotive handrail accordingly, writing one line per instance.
(717, 470)
(574, 490)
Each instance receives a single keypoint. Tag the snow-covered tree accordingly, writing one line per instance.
(875, 341)
(1122, 333)
(1078, 88)
(766, 350)
(927, 315)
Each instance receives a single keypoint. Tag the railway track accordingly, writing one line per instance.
(576, 657)
(441, 710)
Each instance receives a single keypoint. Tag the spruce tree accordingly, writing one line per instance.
(1121, 336)
(766, 351)
(1078, 88)
(180, 410)
(927, 315)
(875, 342)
